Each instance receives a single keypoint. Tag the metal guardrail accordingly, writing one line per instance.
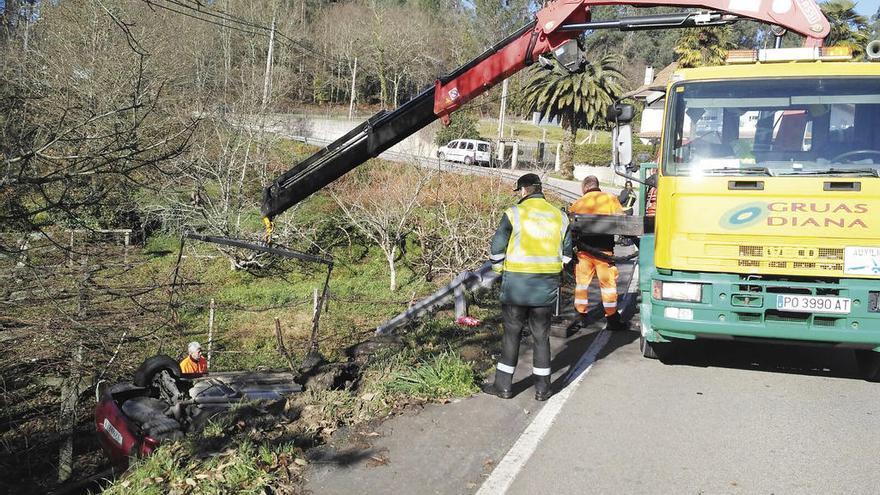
(467, 280)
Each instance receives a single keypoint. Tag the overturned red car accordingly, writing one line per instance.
(161, 404)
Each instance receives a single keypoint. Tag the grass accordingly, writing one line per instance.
(444, 376)
(243, 468)
(527, 131)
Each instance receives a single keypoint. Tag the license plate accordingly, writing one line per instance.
(112, 431)
(813, 304)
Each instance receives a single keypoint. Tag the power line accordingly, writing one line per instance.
(154, 3)
(223, 16)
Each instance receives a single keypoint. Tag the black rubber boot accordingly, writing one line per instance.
(502, 387)
(542, 388)
(614, 323)
(582, 320)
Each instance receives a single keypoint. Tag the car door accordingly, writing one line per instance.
(467, 155)
(451, 151)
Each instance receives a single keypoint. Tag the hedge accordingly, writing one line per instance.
(599, 155)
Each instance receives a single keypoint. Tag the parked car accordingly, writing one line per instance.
(467, 151)
(161, 404)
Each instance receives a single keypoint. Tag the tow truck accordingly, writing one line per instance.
(766, 228)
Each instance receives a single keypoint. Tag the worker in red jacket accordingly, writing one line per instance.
(194, 362)
(595, 252)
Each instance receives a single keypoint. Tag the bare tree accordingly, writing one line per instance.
(380, 202)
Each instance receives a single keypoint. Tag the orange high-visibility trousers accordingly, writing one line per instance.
(586, 268)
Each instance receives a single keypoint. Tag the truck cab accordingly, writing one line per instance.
(768, 205)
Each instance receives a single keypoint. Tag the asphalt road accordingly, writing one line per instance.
(725, 418)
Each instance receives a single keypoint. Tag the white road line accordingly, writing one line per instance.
(504, 474)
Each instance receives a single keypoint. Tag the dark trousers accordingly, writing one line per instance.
(538, 318)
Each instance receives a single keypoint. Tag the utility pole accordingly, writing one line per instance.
(267, 81)
(353, 76)
(503, 109)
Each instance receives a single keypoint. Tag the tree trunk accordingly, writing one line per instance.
(568, 143)
(390, 255)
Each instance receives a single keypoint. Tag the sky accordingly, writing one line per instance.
(865, 7)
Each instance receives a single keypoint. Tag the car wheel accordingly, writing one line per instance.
(468, 160)
(441, 156)
(143, 376)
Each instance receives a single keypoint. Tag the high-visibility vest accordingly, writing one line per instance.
(535, 244)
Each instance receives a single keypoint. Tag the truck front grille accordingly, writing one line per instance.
(813, 260)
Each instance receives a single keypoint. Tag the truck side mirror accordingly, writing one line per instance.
(620, 113)
(622, 146)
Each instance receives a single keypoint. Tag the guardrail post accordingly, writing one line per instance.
(557, 166)
(514, 158)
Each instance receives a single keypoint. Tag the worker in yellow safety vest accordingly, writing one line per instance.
(529, 249)
(595, 254)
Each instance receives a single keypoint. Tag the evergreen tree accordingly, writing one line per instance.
(703, 46)
(578, 99)
(848, 28)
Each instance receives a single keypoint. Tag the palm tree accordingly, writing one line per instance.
(847, 27)
(577, 99)
(703, 47)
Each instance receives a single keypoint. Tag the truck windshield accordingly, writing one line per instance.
(774, 127)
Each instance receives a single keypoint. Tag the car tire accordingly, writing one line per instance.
(143, 376)
(468, 160)
(441, 156)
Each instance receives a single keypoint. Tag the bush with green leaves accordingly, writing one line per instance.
(461, 126)
(599, 154)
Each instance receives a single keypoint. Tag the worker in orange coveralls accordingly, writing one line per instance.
(594, 254)
(194, 362)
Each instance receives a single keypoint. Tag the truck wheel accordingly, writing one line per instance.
(868, 363)
(468, 160)
(143, 376)
(647, 349)
(441, 156)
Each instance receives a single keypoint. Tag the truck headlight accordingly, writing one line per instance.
(677, 291)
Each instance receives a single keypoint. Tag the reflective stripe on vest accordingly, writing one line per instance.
(535, 244)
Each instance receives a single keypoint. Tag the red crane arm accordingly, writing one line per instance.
(544, 35)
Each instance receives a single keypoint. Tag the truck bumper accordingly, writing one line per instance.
(734, 306)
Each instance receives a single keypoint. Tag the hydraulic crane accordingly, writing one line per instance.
(555, 29)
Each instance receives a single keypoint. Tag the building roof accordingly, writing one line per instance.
(657, 87)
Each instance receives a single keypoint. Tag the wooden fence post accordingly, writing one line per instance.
(281, 348)
(210, 331)
(67, 419)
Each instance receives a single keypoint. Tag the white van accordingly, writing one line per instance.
(467, 151)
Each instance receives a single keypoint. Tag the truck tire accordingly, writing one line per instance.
(657, 350)
(143, 376)
(647, 349)
(468, 160)
(441, 156)
(868, 363)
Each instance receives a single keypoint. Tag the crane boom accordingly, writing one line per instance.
(555, 24)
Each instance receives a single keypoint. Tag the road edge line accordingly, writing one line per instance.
(505, 473)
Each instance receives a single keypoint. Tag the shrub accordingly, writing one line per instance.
(461, 126)
(599, 154)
